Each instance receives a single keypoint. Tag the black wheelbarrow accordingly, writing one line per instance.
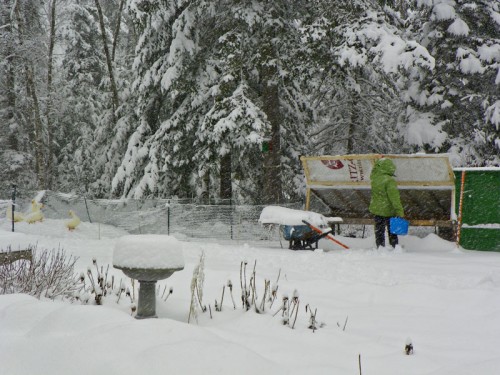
(303, 237)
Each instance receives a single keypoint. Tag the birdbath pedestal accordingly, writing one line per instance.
(148, 258)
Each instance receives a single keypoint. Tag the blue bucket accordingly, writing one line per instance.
(398, 225)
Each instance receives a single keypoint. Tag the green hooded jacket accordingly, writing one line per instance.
(385, 199)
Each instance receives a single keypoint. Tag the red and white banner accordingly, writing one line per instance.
(339, 170)
(434, 170)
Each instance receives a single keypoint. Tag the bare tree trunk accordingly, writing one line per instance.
(272, 165)
(205, 195)
(50, 130)
(109, 62)
(38, 126)
(11, 100)
(226, 190)
(10, 80)
(116, 34)
(39, 159)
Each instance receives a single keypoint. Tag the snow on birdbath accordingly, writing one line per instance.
(148, 258)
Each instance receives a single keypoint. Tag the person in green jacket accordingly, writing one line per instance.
(385, 201)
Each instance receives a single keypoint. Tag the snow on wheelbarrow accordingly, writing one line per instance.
(302, 229)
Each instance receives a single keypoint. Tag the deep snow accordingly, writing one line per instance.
(445, 300)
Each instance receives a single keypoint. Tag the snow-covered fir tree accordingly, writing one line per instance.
(461, 94)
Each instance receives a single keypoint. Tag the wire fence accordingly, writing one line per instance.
(163, 216)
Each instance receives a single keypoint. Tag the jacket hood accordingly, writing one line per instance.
(385, 166)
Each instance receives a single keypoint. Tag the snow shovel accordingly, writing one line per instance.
(327, 235)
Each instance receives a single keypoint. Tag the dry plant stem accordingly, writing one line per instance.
(91, 278)
(281, 308)
(296, 313)
(252, 284)
(359, 364)
(252, 291)
(254, 288)
(244, 291)
(286, 306)
(97, 269)
(222, 298)
(314, 319)
(197, 293)
(241, 285)
(199, 298)
(210, 310)
(164, 289)
(120, 291)
(274, 291)
(266, 290)
(50, 273)
(169, 293)
(231, 293)
(106, 275)
(192, 310)
(245, 283)
(294, 304)
(345, 324)
(274, 294)
(245, 275)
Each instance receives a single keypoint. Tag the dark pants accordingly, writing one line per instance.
(381, 223)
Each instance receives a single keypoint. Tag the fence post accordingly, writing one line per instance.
(13, 204)
(168, 217)
(231, 216)
(87, 207)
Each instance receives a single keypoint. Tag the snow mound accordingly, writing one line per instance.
(288, 216)
(152, 251)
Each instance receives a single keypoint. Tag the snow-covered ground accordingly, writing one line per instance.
(370, 302)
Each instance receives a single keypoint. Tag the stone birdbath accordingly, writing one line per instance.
(148, 258)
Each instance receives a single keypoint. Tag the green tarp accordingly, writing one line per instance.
(480, 208)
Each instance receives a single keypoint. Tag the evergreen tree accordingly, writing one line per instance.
(23, 139)
(196, 98)
(84, 70)
(94, 135)
(362, 108)
(462, 93)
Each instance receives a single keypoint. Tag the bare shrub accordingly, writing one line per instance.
(50, 274)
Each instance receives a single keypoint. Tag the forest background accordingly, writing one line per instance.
(219, 99)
